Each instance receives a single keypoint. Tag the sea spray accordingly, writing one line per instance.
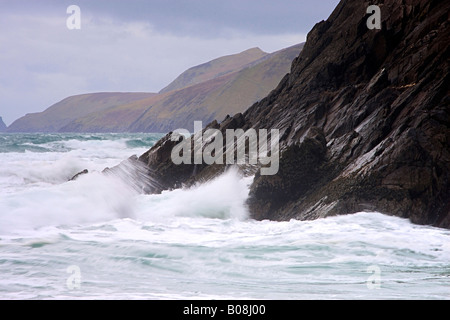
(221, 198)
(35, 191)
(195, 243)
(89, 199)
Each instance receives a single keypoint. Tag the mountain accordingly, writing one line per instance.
(210, 91)
(60, 114)
(212, 99)
(2, 125)
(364, 121)
(215, 68)
(219, 97)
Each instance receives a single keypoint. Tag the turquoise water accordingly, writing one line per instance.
(96, 238)
(23, 142)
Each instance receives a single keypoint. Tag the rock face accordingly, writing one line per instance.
(380, 97)
(363, 118)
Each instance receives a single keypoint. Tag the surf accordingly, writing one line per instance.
(191, 243)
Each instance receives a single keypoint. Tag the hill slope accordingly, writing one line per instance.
(223, 86)
(215, 68)
(212, 99)
(60, 114)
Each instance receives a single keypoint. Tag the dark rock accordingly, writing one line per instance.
(75, 177)
(387, 150)
(161, 168)
(301, 167)
(364, 121)
(136, 174)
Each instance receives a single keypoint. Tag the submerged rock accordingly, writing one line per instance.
(75, 177)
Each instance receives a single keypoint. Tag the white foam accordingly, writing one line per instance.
(196, 242)
(221, 198)
(90, 199)
(20, 171)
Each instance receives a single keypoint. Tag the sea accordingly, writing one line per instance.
(98, 238)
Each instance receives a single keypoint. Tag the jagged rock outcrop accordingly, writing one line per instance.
(381, 99)
(364, 120)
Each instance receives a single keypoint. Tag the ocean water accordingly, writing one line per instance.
(97, 238)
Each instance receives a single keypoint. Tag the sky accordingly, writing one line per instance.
(47, 54)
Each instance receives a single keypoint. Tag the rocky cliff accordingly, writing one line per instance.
(363, 118)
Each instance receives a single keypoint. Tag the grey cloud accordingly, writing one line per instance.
(197, 17)
(132, 45)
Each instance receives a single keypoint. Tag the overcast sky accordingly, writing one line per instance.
(132, 45)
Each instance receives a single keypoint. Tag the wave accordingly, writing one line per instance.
(46, 159)
(221, 198)
(125, 242)
(99, 198)
(65, 142)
